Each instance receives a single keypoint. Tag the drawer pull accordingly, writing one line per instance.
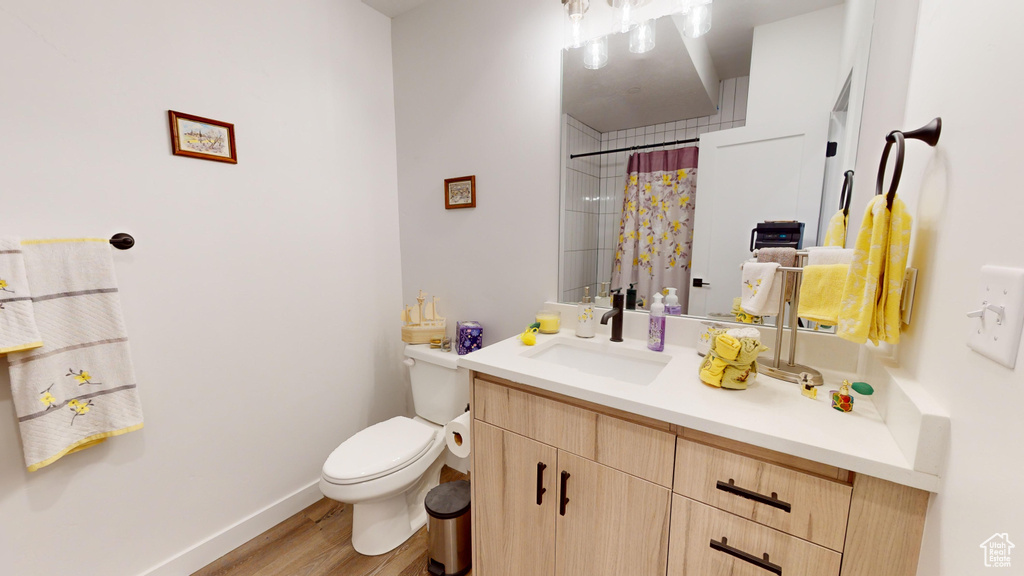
(540, 482)
(763, 563)
(565, 499)
(772, 500)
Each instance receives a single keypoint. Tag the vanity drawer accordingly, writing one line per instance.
(626, 446)
(710, 542)
(796, 503)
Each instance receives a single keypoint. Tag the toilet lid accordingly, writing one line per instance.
(378, 450)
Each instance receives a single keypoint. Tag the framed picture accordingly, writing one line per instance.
(460, 192)
(199, 137)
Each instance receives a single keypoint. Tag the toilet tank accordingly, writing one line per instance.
(440, 389)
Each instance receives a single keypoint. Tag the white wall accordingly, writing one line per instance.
(262, 299)
(966, 197)
(793, 67)
(581, 210)
(477, 92)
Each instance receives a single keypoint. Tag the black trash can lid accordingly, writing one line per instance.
(448, 500)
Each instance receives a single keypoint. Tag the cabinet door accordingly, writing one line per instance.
(515, 534)
(613, 523)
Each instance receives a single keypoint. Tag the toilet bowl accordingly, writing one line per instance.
(386, 470)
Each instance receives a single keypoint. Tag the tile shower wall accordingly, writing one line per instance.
(592, 215)
(582, 190)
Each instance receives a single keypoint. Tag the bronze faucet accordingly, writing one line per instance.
(616, 315)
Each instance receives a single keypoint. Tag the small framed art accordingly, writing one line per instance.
(460, 192)
(199, 137)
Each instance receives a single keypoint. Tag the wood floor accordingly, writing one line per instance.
(318, 541)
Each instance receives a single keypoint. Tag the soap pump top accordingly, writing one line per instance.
(671, 299)
(658, 308)
(586, 294)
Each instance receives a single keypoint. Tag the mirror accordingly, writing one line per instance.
(759, 96)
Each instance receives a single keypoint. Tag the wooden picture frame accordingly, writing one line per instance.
(198, 137)
(460, 192)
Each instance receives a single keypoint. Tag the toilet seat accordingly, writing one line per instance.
(379, 450)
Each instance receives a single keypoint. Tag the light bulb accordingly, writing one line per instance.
(621, 15)
(577, 33)
(697, 20)
(595, 54)
(641, 37)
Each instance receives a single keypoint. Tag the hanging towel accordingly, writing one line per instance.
(758, 288)
(785, 257)
(871, 295)
(821, 292)
(78, 389)
(835, 235)
(17, 322)
(782, 256)
(820, 256)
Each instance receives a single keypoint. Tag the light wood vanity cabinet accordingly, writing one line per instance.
(561, 490)
(646, 498)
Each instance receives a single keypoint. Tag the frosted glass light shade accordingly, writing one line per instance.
(595, 54)
(697, 19)
(641, 37)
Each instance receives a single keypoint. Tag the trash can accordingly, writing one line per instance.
(449, 536)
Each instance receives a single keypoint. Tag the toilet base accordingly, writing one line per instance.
(380, 526)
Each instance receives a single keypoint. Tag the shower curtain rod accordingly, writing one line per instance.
(687, 141)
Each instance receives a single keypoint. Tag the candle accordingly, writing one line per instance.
(550, 321)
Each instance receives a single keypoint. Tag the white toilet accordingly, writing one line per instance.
(386, 470)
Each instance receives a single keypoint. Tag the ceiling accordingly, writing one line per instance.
(392, 8)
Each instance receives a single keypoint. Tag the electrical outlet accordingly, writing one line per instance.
(997, 315)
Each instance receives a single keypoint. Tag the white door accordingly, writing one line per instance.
(745, 176)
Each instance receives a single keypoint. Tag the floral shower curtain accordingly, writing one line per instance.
(656, 232)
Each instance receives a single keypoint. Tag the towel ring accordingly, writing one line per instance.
(929, 134)
(847, 193)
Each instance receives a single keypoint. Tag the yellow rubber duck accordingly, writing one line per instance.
(529, 336)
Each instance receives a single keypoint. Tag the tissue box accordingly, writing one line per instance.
(470, 336)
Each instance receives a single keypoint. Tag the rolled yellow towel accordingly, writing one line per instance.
(727, 346)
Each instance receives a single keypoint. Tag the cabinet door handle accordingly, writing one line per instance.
(540, 482)
(772, 500)
(565, 499)
(762, 563)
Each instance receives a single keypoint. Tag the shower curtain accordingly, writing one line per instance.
(656, 231)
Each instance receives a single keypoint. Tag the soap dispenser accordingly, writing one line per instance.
(672, 306)
(604, 299)
(656, 333)
(585, 316)
(631, 297)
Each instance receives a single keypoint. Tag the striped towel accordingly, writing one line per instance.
(79, 388)
(17, 323)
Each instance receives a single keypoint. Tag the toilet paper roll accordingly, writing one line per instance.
(457, 435)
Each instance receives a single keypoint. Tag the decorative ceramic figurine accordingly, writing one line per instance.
(841, 399)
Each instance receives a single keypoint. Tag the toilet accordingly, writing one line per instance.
(386, 470)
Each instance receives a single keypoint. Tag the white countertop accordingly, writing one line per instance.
(771, 413)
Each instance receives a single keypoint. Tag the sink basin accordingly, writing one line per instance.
(602, 358)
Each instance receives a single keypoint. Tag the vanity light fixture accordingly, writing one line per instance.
(641, 37)
(575, 9)
(595, 55)
(696, 17)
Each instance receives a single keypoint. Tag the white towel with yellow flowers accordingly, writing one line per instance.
(17, 322)
(78, 389)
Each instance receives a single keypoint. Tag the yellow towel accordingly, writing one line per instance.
(836, 233)
(713, 367)
(821, 292)
(871, 296)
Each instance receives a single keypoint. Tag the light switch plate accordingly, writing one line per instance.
(998, 341)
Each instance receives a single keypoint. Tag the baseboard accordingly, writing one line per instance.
(234, 536)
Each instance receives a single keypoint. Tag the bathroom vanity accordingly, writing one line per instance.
(576, 473)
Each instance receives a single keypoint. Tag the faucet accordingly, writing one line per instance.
(616, 316)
